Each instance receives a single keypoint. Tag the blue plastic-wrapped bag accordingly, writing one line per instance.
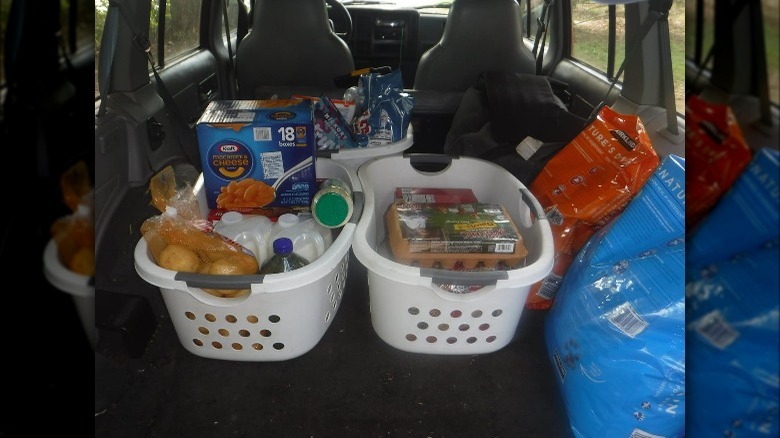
(383, 110)
(616, 332)
(746, 216)
(732, 317)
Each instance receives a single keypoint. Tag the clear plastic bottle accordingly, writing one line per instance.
(253, 232)
(332, 204)
(308, 242)
(284, 259)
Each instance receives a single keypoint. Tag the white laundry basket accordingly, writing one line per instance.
(78, 286)
(355, 157)
(409, 311)
(284, 316)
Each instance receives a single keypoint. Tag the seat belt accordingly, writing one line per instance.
(543, 23)
(658, 13)
(225, 18)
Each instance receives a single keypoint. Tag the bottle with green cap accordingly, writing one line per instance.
(332, 204)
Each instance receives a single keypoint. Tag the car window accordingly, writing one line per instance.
(174, 27)
(591, 40)
(532, 12)
(698, 42)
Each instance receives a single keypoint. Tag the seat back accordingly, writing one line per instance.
(480, 35)
(291, 44)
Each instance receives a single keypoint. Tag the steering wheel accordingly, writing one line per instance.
(342, 12)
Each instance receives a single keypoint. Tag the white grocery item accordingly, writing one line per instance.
(250, 231)
(308, 241)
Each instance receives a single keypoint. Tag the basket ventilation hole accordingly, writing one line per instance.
(257, 346)
(236, 346)
(444, 327)
(414, 311)
(490, 338)
(451, 340)
(431, 339)
(224, 332)
(463, 327)
(456, 313)
(210, 317)
(243, 333)
(435, 312)
(278, 346)
(329, 290)
(231, 319)
(471, 340)
(274, 318)
(422, 325)
(265, 333)
(497, 312)
(203, 330)
(327, 316)
(476, 313)
(410, 337)
(252, 319)
(484, 327)
(216, 345)
(197, 342)
(190, 315)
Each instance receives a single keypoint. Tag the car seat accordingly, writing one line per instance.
(291, 44)
(480, 35)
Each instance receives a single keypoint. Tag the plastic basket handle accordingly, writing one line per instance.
(357, 207)
(530, 201)
(218, 281)
(418, 160)
(463, 278)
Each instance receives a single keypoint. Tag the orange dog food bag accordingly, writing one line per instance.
(587, 184)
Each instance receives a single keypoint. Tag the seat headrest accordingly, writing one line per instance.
(310, 16)
(477, 22)
(291, 44)
(479, 36)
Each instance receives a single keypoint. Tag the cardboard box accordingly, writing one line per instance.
(257, 153)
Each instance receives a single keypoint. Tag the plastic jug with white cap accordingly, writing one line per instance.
(309, 239)
(250, 231)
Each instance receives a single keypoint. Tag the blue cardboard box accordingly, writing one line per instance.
(257, 153)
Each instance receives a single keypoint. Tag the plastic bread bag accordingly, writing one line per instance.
(74, 235)
(180, 240)
(383, 110)
(75, 184)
